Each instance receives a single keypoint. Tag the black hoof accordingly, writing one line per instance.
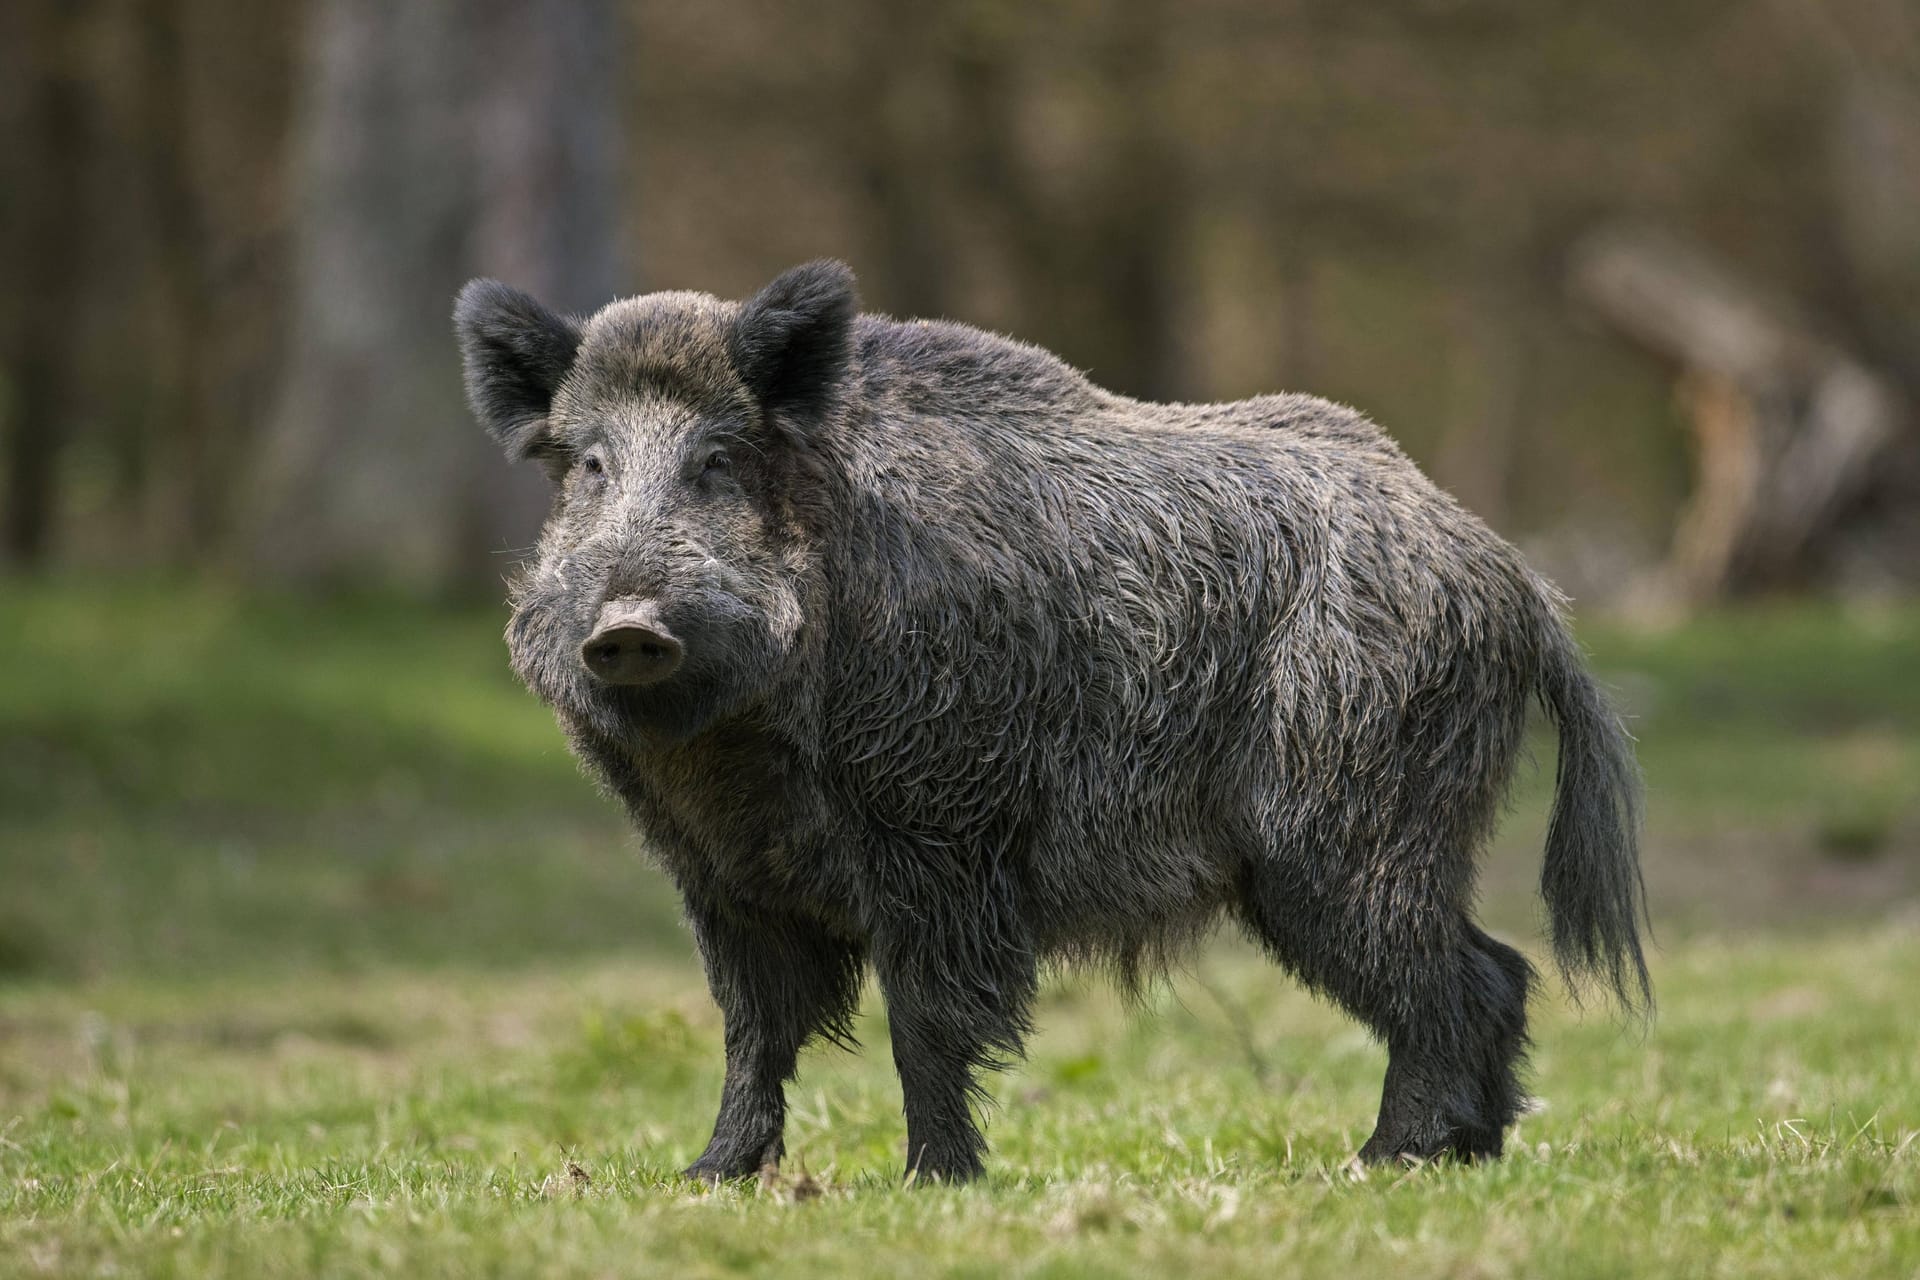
(713, 1169)
(1466, 1145)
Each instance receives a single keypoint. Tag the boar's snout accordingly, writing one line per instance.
(630, 645)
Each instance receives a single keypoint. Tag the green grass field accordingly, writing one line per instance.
(317, 956)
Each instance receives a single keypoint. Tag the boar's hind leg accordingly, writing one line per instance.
(956, 1005)
(779, 982)
(1452, 1083)
(1449, 1001)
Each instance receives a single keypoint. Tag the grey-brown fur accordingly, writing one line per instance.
(987, 667)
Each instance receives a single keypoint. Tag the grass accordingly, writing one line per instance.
(429, 1125)
(317, 956)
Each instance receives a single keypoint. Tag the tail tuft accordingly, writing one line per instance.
(1596, 897)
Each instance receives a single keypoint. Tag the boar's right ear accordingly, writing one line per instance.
(791, 339)
(515, 352)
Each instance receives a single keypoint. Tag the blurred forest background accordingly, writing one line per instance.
(1640, 282)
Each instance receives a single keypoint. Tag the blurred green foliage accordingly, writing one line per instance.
(196, 781)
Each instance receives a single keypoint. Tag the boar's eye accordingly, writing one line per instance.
(719, 462)
(592, 465)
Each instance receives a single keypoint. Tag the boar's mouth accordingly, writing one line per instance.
(680, 679)
(658, 716)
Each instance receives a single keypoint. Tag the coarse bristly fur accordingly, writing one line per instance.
(986, 666)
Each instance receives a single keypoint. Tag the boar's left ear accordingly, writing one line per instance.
(791, 340)
(516, 352)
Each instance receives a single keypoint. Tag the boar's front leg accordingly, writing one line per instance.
(957, 1003)
(779, 981)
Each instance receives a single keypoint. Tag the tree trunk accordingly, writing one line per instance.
(173, 465)
(895, 149)
(1098, 275)
(1138, 225)
(440, 139)
(45, 228)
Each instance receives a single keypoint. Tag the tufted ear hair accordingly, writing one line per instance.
(791, 340)
(515, 352)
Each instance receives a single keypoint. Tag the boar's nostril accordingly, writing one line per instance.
(631, 647)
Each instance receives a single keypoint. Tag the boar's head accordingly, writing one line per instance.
(668, 588)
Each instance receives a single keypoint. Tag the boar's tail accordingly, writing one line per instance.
(1595, 896)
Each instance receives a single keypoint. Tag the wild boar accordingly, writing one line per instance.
(907, 648)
